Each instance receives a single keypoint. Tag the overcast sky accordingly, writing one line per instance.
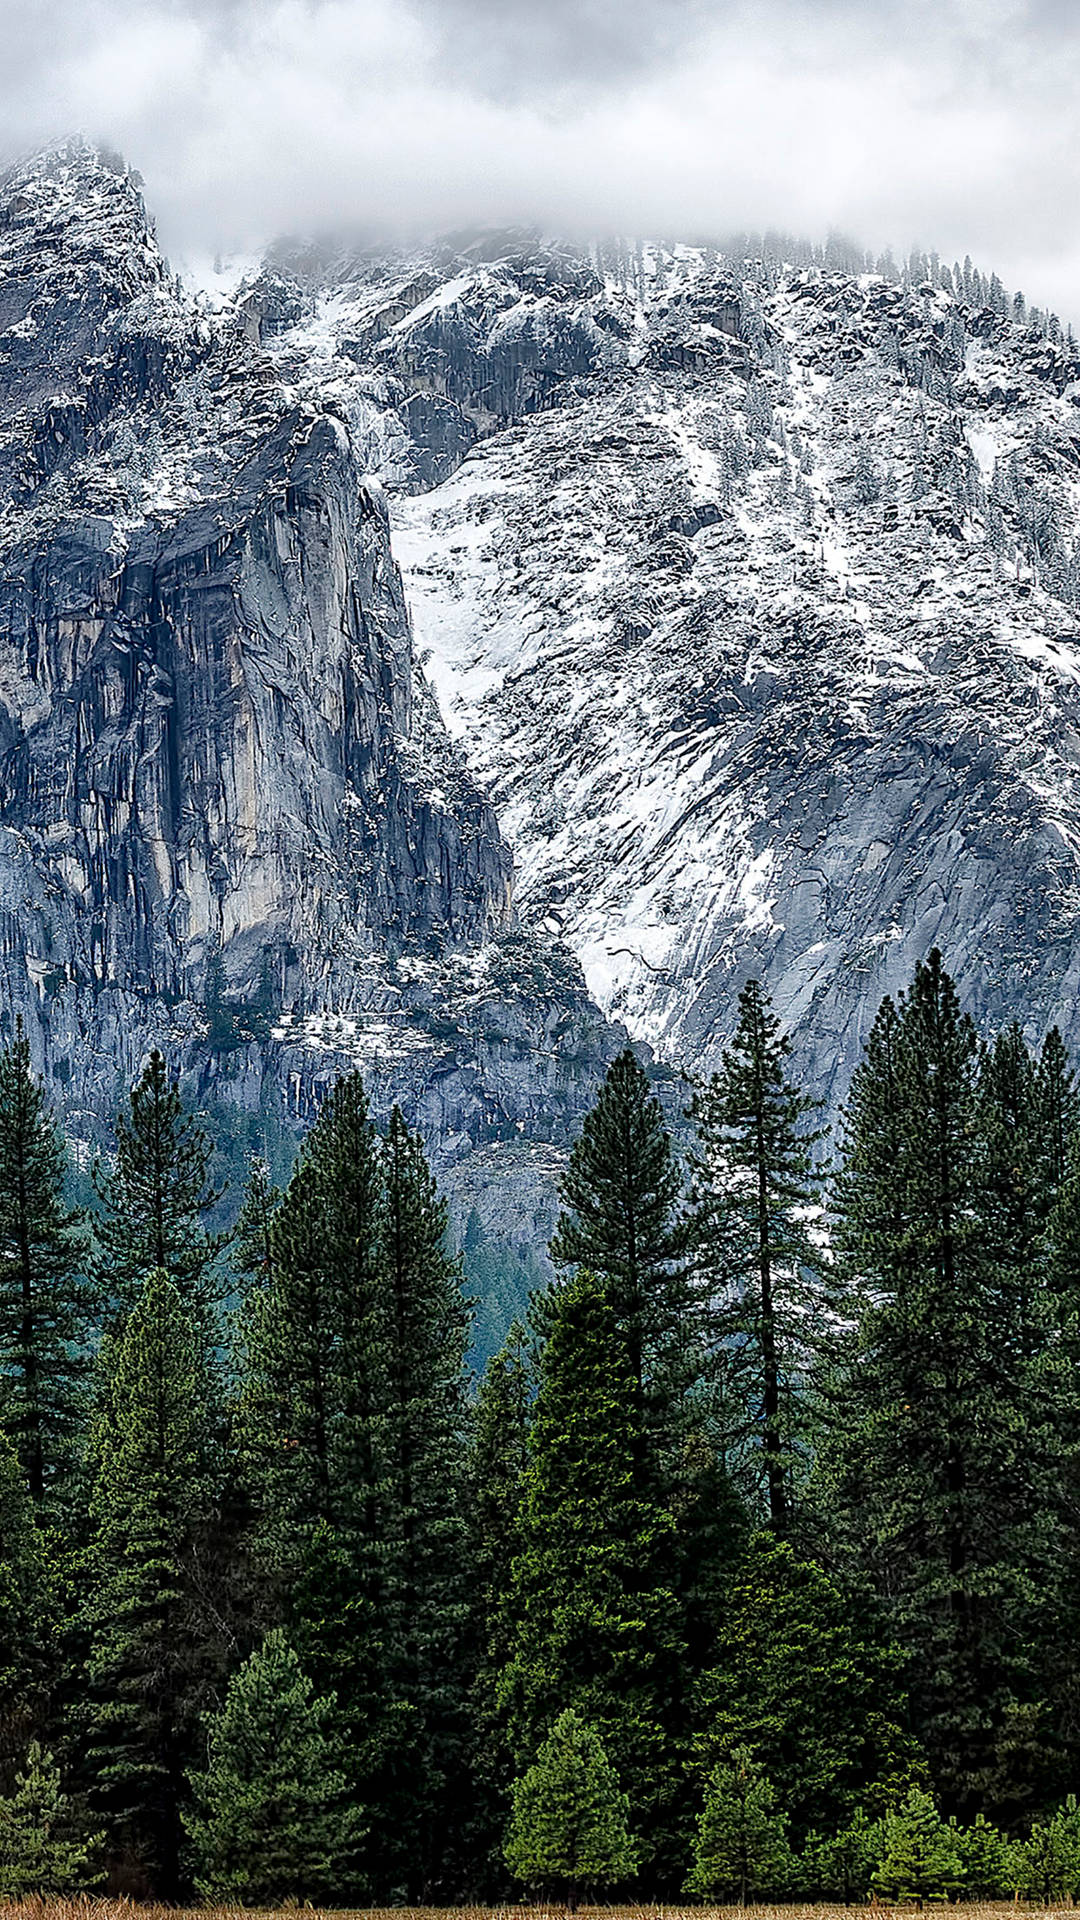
(948, 123)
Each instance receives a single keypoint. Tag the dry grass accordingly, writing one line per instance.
(94, 1909)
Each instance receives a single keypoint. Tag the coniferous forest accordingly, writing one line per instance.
(750, 1568)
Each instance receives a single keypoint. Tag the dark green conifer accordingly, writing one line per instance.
(157, 1199)
(498, 1457)
(569, 1829)
(425, 1552)
(318, 1439)
(47, 1306)
(44, 1847)
(621, 1197)
(754, 1181)
(741, 1848)
(272, 1821)
(924, 1475)
(150, 1617)
(27, 1646)
(1059, 1107)
(597, 1617)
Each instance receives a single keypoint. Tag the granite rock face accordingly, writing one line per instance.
(757, 617)
(231, 819)
(446, 660)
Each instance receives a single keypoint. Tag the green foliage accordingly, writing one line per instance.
(920, 1854)
(425, 1562)
(621, 1196)
(156, 1199)
(271, 1821)
(26, 1608)
(44, 1847)
(47, 1307)
(987, 1860)
(352, 1429)
(151, 1627)
(797, 1675)
(754, 1179)
(840, 1866)
(596, 1616)
(498, 1458)
(741, 1849)
(929, 1481)
(1046, 1866)
(569, 1826)
(314, 1424)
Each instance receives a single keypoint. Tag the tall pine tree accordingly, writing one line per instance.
(152, 1625)
(425, 1554)
(318, 1435)
(498, 1457)
(621, 1196)
(754, 1182)
(47, 1305)
(597, 1617)
(923, 1480)
(157, 1198)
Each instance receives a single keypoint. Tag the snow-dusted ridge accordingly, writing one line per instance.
(755, 613)
(743, 591)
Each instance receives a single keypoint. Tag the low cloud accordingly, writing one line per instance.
(946, 125)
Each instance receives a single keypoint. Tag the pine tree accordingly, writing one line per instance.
(569, 1827)
(924, 1482)
(27, 1652)
(318, 1440)
(754, 1181)
(597, 1617)
(799, 1676)
(920, 1857)
(150, 1619)
(43, 1847)
(986, 1861)
(741, 1846)
(313, 1416)
(1059, 1107)
(621, 1197)
(1046, 1866)
(498, 1459)
(428, 1339)
(1018, 1192)
(157, 1199)
(47, 1307)
(271, 1821)
(623, 1223)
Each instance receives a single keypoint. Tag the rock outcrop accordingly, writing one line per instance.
(414, 644)
(231, 819)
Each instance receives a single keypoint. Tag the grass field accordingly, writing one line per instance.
(94, 1909)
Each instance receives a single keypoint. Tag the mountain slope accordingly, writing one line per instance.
(232, 820)
(751, 600)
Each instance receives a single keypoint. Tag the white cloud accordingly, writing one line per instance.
(946, 124)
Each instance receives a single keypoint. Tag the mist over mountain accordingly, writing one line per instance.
(949, 125)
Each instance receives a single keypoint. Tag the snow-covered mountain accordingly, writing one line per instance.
(748, 589)
(449, 658)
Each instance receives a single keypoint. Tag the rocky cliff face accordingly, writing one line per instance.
(385, 644)
(753, 605)
(231, 819)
